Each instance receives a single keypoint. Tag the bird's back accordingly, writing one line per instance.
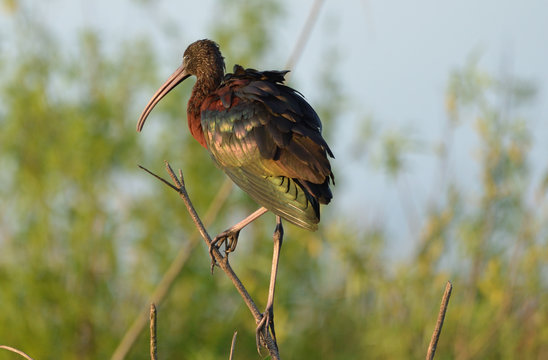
(267, 139)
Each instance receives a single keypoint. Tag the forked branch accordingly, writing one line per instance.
(179, 186)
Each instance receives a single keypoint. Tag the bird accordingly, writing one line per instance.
(262, 133)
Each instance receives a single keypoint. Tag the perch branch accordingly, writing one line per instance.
(439, 323)
(222, 261)
(170, 275)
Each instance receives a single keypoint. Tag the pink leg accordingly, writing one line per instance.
(268, 315)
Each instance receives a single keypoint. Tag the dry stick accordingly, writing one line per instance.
(9, 348)
(232, 345)
(439, 323)
(222, 261)
(153, 341)
(169, 277)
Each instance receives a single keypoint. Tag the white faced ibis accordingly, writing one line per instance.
(262, 134)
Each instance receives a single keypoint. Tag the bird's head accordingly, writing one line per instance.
(202, 59)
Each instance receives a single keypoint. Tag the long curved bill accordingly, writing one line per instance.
(175, 79)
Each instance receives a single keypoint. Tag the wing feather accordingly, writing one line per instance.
(268, 140)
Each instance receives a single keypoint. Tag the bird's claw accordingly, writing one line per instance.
(266, 323)
(229, 238)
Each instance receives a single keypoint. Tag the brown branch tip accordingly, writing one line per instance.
(439, 323)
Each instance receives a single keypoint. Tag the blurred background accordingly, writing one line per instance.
(436, 113)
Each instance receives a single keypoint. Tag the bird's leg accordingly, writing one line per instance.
(268, 316)
(230, 236)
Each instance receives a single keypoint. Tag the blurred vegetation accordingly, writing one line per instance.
(85, 236)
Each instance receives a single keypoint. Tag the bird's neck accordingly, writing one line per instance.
(202, 89)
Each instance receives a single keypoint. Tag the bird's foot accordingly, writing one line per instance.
(266, 324)
(229, 238)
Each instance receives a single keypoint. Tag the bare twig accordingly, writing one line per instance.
(170, 275)
(221, 260)
(9, 348)
(232, 345)
(153, 341)
(439, 323)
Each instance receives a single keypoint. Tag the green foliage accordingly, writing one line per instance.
(85, 236)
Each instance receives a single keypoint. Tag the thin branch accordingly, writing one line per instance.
(221, 260)
(9, 348)
(153, 341)
(161, 291)
(232, 345)
(439, 323)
